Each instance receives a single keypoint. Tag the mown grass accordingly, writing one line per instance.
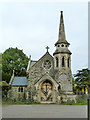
(19, 103)
(74, 103)
(37, 103)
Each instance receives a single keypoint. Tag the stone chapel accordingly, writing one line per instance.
(48, 80)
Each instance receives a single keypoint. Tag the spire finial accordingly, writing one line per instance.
(47, 48)
(62, 15)
(61, 12)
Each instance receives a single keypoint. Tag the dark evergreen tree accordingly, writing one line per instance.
(82, 79)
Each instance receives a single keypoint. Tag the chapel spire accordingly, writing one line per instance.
(61, 36)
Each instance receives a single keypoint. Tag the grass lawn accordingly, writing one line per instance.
(37, 103)
(19, 103)
(74, 103)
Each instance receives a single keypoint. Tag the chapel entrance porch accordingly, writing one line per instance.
(46, 92)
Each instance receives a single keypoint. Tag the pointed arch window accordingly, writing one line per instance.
(68, 61)
(19, 89)
(56, 61)
(63, 65)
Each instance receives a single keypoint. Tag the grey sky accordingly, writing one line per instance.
(33, 26)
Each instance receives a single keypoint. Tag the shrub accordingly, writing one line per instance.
(79, 99)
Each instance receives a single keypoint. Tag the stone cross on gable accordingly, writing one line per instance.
(47, 48)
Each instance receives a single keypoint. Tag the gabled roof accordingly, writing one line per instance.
(47, 53)
(19, 81)
(46, 77)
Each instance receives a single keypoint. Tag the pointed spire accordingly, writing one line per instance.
(61, 29)
(61, 36)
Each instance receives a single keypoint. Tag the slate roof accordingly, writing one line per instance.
(20, 81)
(62, 51)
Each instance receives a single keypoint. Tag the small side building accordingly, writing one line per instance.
(18, 91)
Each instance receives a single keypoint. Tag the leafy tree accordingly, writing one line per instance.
(82, 78)
(13, 59)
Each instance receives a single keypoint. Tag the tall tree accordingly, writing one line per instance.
(82, 78)
(13, 59)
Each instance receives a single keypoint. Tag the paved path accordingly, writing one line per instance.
(44, 111)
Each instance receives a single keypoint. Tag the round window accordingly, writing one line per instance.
(47, 64)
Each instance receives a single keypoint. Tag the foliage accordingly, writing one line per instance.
(79, 99)
(5, 87)
(4, 83)
(13, 59)
(82, 78)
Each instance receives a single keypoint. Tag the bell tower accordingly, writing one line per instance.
(62, 55)
(62, 60)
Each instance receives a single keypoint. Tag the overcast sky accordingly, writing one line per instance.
(33, 26)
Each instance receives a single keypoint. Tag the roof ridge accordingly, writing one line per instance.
(42, 57)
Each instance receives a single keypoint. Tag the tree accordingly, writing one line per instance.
(13, 59)
(82, 78)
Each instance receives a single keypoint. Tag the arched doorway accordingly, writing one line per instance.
(46, 91)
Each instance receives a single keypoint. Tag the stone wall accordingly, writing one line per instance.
(15, 95)
(36, 72)
(62, 76)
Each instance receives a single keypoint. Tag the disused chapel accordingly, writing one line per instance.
(48, 80)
